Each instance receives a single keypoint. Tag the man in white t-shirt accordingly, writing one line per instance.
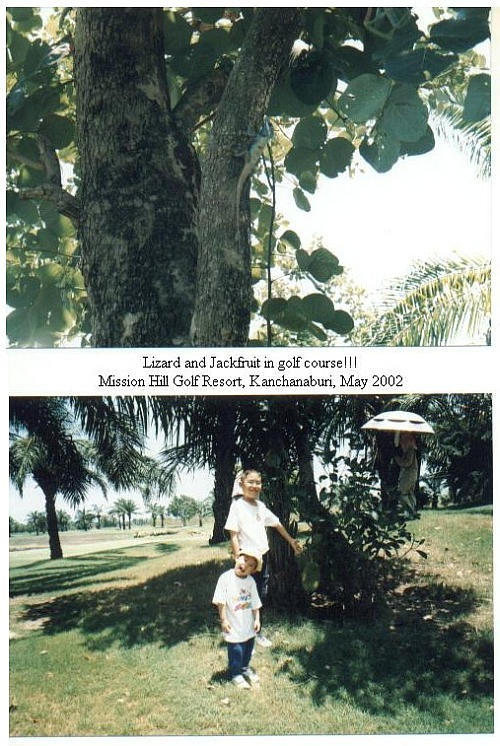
(247, 522)
(238, 604)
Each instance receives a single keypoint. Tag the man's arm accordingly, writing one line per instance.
(235, 544)
(294, 543)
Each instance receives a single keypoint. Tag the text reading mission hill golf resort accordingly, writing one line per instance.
(206, 372)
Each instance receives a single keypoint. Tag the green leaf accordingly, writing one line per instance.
(19, 325)
(25, 295)
(301, 200)
(303, 259)
(196, 62)
(312, 80)
(48, 241)
(405, 115)
(311, 575)
(341, 323)
(317, 332)
(50, 273)
(208, 15)
(318, 307)
(37, 52)
(298, 160)
(59, 130)
(382, 154)
(291, 239)
(218, 39)
(310, 133)
(477, 104)
(293, 318)
(459, 35)
(285, 102)
(308, 181)
(335, 156)
(12, 202)
(410, 67)
(424, 145)
(273, 308)
(323, 265)
(27, 211)
(176, 32)
(20, 14)
(364, 97)
(18, 46)
(30, 177)
(28, 148)
(26, 112)
(265, 215)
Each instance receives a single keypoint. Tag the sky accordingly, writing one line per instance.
(378, 224)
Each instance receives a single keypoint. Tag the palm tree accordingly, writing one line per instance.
(36, 521)
(97, 512)
(45, 446)
(435, 302)
(118, 510)
(83, 519)
(63, 520)
(129, 507)
(67, 472)
(161, 512)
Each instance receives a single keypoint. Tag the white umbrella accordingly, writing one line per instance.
(402, 422)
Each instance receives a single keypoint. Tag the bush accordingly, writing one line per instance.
(346, 561)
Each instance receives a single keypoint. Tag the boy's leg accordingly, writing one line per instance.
(262, 579)
(235, 658)
(247, 652)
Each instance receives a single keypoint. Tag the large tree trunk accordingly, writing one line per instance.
(223, 274)
(52, 529)
(139, 183)
(225, 459)
(285, 584)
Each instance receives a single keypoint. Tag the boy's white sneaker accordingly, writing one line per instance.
(263, 641)
(240, 682)
(250, 674)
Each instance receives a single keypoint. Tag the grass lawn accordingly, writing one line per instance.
(120, 638)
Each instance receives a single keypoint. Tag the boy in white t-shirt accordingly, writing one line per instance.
(238, 604)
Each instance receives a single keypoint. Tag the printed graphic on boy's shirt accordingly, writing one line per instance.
(243, 600)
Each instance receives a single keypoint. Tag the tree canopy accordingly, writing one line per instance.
(123, 230)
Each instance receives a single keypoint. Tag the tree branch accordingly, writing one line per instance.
(223, 273)
(201, 99)
(63, 201)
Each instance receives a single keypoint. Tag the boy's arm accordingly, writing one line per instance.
(294, 543)
(256, 619)
(226, 627)
(235, 544)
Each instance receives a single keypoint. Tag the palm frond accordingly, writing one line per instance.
(473, 138)
(436, 301)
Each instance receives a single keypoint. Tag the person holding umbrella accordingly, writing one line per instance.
(405, 426)
(407, 459)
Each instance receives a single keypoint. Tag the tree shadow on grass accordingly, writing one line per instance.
(49, 576)
(166, 609)
(418, 649)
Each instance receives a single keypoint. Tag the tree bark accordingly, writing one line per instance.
(52, 529)
(285, 584)
(225, 459)
(139, 183)
(224, 271)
